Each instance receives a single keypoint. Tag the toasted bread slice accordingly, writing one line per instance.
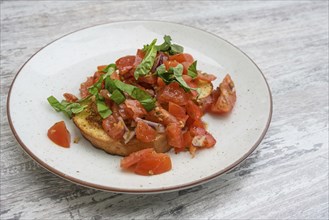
(91, 128)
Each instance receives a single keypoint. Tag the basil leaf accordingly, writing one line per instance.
(109, 84)
(175, 49)
(110, 68)
(140, 95)
(192, 71)
(103, 110)
(55, 103)
(69, 108)
(146, 65)
(97, 86)
(164, 75)
(165, 46)
(178, 73)
(147, 101)
(118, 97)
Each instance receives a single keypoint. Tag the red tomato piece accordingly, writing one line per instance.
(182, 57)
(125, 64)
(85, 85)
(162, 116)
(70, 97)
(135, 157)
(206, 77)
(144, 132)
(224, 97)
(169, 64)
(97, 76)
(101, 68)
(193, 110)
(174, 135)
(187, 139)
(173, 93)
(160, 82)
(147, 162)
(140, 54)
(156, 163)
(59, 134)
(178, 111)
(136, 108)
(115, 129)
(149, 79)
(205, 103)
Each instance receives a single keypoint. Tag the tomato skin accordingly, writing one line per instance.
(115, 129)
(174, 135)
(178, 111)
(152, 165)
(173, 93)
(224, 97)
(206, 77)
(134, 158)
(144, 132)
(140, 54)
(210, 141)
(85, 85)
(134, 109)
(125, 64)
(187, 139)
(160, 82)
(205, 103)
(101, 68)
(170, 63)
(59, 134)
(182, 57)
(149, 79)
(147, 162)
(70, 97)
(193, 110)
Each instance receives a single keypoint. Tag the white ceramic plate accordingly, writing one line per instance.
(62, 65)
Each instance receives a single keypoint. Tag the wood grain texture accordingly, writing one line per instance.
(285, 178)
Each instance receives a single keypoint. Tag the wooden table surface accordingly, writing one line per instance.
(285, 178)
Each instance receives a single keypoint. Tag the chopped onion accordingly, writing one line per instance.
(158, 127)
(128, 135)
(199, 141)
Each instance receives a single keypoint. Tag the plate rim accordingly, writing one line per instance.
(136, 191)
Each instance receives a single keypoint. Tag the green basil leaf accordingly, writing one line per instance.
(146, 65)
(55, 103)
(165, 46)
(109, 84)
(118, 97)
(103, 110)
(192, 71)
(167, 77)
(110, 68)
(69, 108)
(175, 49)
(78, 109)
(140, 95)
(178, 73)
(147, 101)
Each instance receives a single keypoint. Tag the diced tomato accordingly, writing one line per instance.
(97, 75)
(147, 162)
(85, 85)
(178, 111)
(101, 68)
(144, 132)
(224, 97)
(186, 65)
(187, 139)
(114, 128)
(174, 135)
(210, 141)
(162, 116)
(206, 77)
(156, 164)
(70, 97)
(173, 93)
(115, 75)
(193, 110)
(149, 79)
(125, 64)
(169, 64)
(136, 108)
(59, 134)
(135, 157)
(140, 54)
(191, 83)
(205, 103)
(160, 82)
(182, 57)
(206, 140)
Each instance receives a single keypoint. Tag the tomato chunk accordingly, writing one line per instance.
(178, 111)
(224, 97)
(144, 132)
(59, 134)
(85, 85)
(115, 129)
(125, 64)
(70, 97)
(173, 93)
(174, 135)
(193, 110)
(135, 108)
(147, 162)
(206, 77)
(182, 57)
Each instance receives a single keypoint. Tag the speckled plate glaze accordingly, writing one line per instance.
(63, 64)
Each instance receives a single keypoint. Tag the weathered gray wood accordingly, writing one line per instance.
(287, 176)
